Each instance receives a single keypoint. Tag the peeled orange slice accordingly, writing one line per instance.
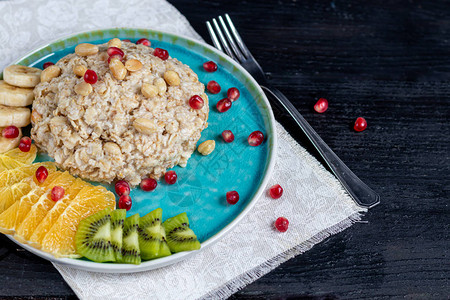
(10, 177)
(13, 193)
(15, 158)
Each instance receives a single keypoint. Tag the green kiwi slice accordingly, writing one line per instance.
(93, 237)
(179, 236)
(130, 241)
(152, 236)
(117, 220)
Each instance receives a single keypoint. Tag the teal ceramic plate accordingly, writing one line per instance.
(202, 185)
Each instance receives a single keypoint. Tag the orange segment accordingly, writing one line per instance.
(13, 193)
(15, 158)
(10, 177)
(60, 240)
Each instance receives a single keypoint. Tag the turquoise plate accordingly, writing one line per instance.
(202, 185)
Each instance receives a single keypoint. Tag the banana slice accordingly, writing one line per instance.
(22, 76)
(8, 144)
(17, 116)
(15, 96)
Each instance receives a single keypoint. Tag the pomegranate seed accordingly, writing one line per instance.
(276, 191)
(282, 224)
(213, 87)
(196, 102)
(228, 136)
(255, 138)
(47, 64)
(144, 42)
(25, 144)
(161, 53)
(125, 202)
(57, 193)
(360, 124)
(233, 94)
(41, 174)
(10, 132)
(115, 51)
(232, 197)
(321, 106)
(126, 40)
(170, 177)
(119, 57)
(148, 184)
(122, 188)
(223, 105)
(210, 66)
(90, 76)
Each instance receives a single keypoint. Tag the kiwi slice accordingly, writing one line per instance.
(152, 236)
(179, 236)
(130, 241)
(117, 220)
(93, 237)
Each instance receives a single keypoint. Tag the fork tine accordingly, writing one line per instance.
(223, 40)
(213, 36)
(238, 38)
(231, 41)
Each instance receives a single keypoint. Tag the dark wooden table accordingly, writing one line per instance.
(388, 61)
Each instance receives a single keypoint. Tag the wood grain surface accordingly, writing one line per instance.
(388, 61)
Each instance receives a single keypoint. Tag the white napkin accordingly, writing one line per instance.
(313, 200)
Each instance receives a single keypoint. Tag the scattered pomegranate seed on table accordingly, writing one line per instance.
(228, 136)
(122, 188)
(170, 177)
(210, 66)
(196, 102)
(10, 132)
(161, 53)
(282, 224)
(223, 105)
(143, 41)
(41, 174)
(148, 184)
(321, 105)
(255, 138)
(233, 94)
(47, 64)
(213, 87)
(232, 197)
(57, 193)
(90, 77)
(276, 191)
(25, 144)
(125, 202)
(360, 124)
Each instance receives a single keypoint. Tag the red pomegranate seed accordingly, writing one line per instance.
(196, 102)
(170, 177)
(213, 87)
(122, 188)
(232, 197)
(223, 105)
(144, 42)
(25, 144)
(148, 184)
(360, 124)
(90, 76)
(10, 132)
(233, 94)
(210, 66)
(126, 40)
(125, 202)
(47, 64)
(115, 51)
(255, 138)
(41, 174)
(119, 57)
(282, 224)
(161, 53)
(321, 106)
(276, 191)
(57, 193)
(228, 136)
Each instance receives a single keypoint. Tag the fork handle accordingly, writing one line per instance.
(358, 190)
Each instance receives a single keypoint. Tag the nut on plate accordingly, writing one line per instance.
(86, 49)
(133, 65)
(83, 88)
(115, 42)
(79, 70)
(50, 72)
(172, 78)
(117, 69)
(144, 126)
(149, 90)
(161, 85)
(206, 147)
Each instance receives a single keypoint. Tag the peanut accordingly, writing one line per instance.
(161, 85)
(79, 70)
(115, 42)
(133, 65)
(112, 149)
(117, 69)
(206, 147)
(144, 126)
(86, 49)
(149, 90)
(83, 88)
(50, 72)
(172, 78)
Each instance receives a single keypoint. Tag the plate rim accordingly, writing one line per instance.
(174, 258)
